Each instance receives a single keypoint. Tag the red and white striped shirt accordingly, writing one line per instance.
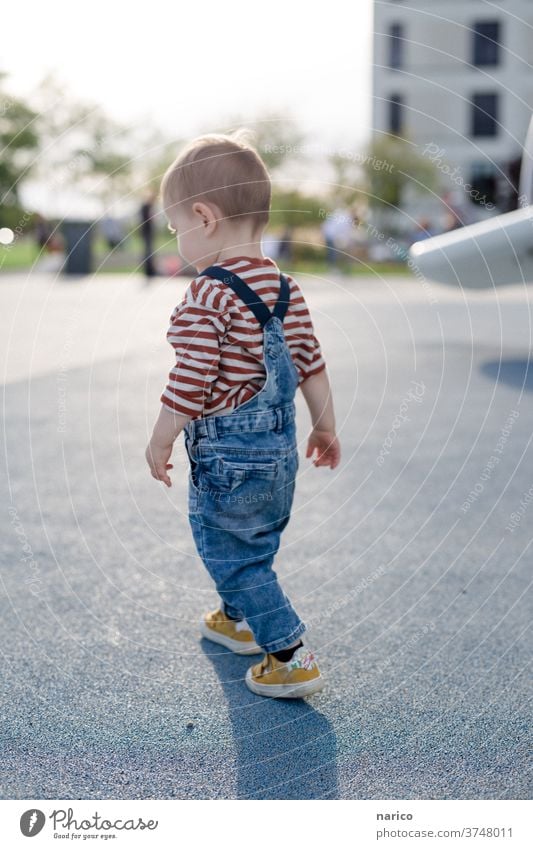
(219, 342)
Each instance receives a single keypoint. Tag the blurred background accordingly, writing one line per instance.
(389, 124)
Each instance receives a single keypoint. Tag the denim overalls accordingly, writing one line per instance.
(241, 483)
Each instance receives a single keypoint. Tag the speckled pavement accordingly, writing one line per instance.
(410, 563)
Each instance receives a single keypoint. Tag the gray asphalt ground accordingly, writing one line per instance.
(414, 591)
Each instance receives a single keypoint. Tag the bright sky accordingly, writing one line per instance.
(185, 65)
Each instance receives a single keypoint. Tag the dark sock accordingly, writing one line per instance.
(235, 618)
(285, 654)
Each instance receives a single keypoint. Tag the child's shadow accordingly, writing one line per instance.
(286, 749)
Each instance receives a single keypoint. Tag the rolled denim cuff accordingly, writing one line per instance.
(285, 642)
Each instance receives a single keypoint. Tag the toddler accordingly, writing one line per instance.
(244, 343)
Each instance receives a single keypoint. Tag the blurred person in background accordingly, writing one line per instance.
(111, 231)
(338, 233)
(42, 230)
(147, 229)
(424, 230)
(285, 251)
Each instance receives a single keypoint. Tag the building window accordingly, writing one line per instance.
(484, 183)
(486, 43)
(484, 115)
(396, 46)
(395, 114)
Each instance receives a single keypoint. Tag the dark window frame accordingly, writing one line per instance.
(396, 116)
(486, 45)
(484, 120)
(395, 45)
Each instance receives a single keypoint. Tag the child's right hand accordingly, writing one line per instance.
(327, 447)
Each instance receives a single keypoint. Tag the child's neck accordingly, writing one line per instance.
(241, 247)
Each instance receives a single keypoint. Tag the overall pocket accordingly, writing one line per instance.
(223, 475)
(243, 490)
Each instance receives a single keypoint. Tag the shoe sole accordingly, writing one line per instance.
(235, 645)
(283, 691)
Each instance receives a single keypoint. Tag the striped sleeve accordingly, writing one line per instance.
(196, 332)
(308, 357)
(304, 346)
(317, 362)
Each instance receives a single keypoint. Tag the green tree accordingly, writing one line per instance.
(391, 164)
(18, 142)
(348, 178)
(291, 208)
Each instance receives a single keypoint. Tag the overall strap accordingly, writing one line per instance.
(282, 304)
(248, 296)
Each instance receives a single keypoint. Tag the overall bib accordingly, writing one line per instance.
(241, 485)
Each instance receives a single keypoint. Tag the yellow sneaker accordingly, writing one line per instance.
(298, 677)
(235, 635)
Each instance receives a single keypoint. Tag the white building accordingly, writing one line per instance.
(454, 78)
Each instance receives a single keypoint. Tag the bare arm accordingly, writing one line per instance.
(317, 393)
(322, 439)
(166, 430)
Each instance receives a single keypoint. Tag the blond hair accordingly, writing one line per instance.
(223, 169)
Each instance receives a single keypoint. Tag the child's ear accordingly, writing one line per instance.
(206, 214)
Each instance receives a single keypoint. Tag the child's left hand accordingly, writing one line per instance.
(157, 457)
